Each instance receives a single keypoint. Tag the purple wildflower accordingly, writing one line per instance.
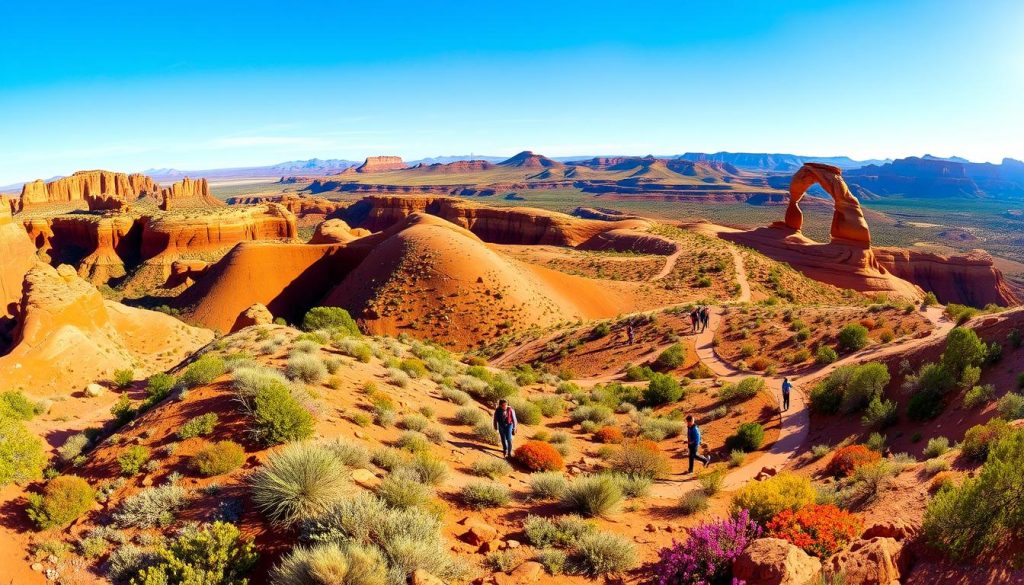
(706, 556)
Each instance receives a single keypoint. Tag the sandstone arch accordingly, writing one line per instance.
(848, 223)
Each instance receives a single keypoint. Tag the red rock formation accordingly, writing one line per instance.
(336, 231)
(848, 223)
(969, 279)
(77, 187)
(172, 234)
(17, 256)
(528, 160)
(188, 193)
(378, 164)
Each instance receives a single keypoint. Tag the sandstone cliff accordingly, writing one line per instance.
(17, 256)
(188, 193)
(74, 190)
(969, 279)
(377, 164)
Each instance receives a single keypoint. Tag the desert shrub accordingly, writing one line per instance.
(737, 457)
(490, 468)
(825, 355)
(820, 530)
(550, 405)
(308, 368)
(413, 422)
(298, 482)
(963, 349)
(819, 451)
(608, 435)
(748, 437)
(202, 371)
(133, 459)
(158, 387)
(979, 438)
(398, 377)
(846, 460)
(852, 336)
(936, 447)
(503, 561)
(930, 385)
(203, 424)
(214, 553)
(470, 415)
(403, 488)
(766, 499)
(123, 378)
(485, 433)
(355, 349)
(641, 458)
(707, 555)
(880, 414)
(16, 405)
(457, 396)
(671, 358)
(591, 496)
(1011, 406)
(595, 413)
(548, 485)
(218, 458)
(866, 382)
(150, 507)
(600, 330)
(480, 495)
(933, 466)
(123, 410)
(64, 499)
(632, 486)
(73, 447)
(658, 428)
(600, 553)
(330, 318)
(662, 389)
(389, 458)
(711, 481)
(560, 532)
(527, 413)
(539, 456)
(349, 454)
(331, 563)
(276, 416)
(693, 502)
(746, 388)
(414, 368)
(984, 511)
(876, 442)
(429, 469)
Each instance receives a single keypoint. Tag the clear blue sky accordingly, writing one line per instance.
(192, 85)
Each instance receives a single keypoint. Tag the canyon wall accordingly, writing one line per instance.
(969, 279)
(86, 184)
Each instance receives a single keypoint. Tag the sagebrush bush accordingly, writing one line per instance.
(349, 454)
(218, 458)
(298, 482)
(937, 446)
(457, 396)
(846, 460)
(550, 405)
(203, 424)
(308, 368)
(481, 495)
(354, 348)
(73, 447)
(711, 481)
(765, 499)
(748, 437)
(64, 499)
(485, 433)
(331, 319)
(592, 495)
(547, 486)
(641, 458)
(403, 488)
(211, 553)
(693, 502)
(490, 468)
(595, 413)
(527, 413)
(539, 456)
(133, 459)
(561, 532)
(470, 415)
(332, 564)
(150, 507)
(602, 553)
(277, 417)
(429, 469)
(979, 395)
(202, 371)
(744, 389)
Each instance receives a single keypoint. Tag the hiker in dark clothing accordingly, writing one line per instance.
(629, 333)
(786, 387)
(505, 423)
(693, 441)
(694, 318)
(704, 318)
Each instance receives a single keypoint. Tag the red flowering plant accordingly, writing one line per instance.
(848, 459)
(820, 530)
(539, 456)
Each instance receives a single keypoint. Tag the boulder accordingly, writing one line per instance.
(773, 561)
(365, 478)
(256, 314)
(528, 572)
(93, 390)
(479, 532)
(875, 561)
(895, 528)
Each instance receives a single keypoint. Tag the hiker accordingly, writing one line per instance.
(703, 318)
(694, 318)
(786, 387)
(505, 423)
(629, 333)
(693, 441)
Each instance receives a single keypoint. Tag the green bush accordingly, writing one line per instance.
(560, 532)
(124, 378)
(748, 437)
(553, 560)
(979, 438)
(527, 413)
(880, 414)
(16, 405)
(202, 371)
(550, 405)
(299, 482)
(403, 488)
(601, 553)
(64, 499)
(470, 415)
(132, 459)
(596, 413)
(1011, 406)
(214, 553)
(984, 511)
(203, 424)
(662, 389)
(671, 358)
(73, 447)
(963, 349)
(979, 395)
(593, 495)
(931, 385)
(766, 499)
(693, 502)
(429, 469)
(332, 564)
(158, 387)
(277, 417)
(308, 368)
(548, 485)
(744, 389)
(218, 458)
(21, 453)
(490, 468)
(937, 446)
(123, 410)
(480, 495)
(330, 318)
(600, 330)
(354, 348)
(150, 507)
(825, 355)
(866, 382)
(852, 337)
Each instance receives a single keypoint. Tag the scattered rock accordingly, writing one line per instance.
(528, 572)
(511, 543)
(896, 528)
(773, 561)
(479, 532)
(256, 314)
(365, 478)
(877, 561)
(491, 546)
(37, 567)
(93, 390)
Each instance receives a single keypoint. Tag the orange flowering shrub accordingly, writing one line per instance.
(539, 456)
(820, 530)
(849, 458)
(868, 323)
(942, 479)
(608, 435)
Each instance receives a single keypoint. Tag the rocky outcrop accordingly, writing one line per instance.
(378, 164)
(336, 231)
(98, 185)
(257, 314)
(17, 256)
(969, 279)
(527, 159)
(874, 561)
(848, 223)
(188, 193)
(773, 561)
(172, 234)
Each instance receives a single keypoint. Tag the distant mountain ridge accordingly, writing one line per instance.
(775, 162)
(930, 176)
(313, 166)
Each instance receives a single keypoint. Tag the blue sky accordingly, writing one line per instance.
(192, 85)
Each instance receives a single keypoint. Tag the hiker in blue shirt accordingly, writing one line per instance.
(693, 439)
(786, 387)
(505, 423)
